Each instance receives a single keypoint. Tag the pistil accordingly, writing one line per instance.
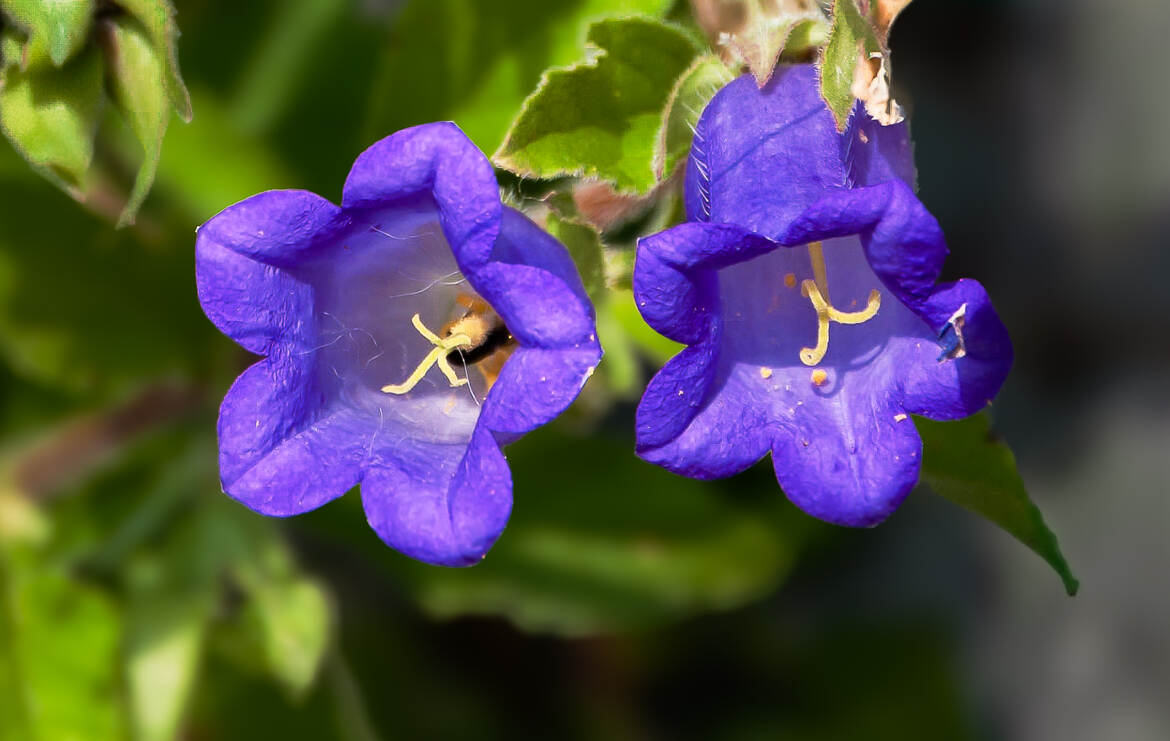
(437, 356)
(817, 292)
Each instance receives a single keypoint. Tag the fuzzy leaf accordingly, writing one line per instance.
(51, 116)
(59, 27)
(965, 463)
(850, 39)
(136, 81)
(158, 18)
(599, 118)
(487, 57)
(690, 96)
(760, 32)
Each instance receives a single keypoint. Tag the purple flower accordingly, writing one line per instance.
(804, 284)
(385, 325)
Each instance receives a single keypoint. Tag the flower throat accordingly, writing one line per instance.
(478, 338)
(816, 291)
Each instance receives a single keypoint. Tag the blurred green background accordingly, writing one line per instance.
(622, 602)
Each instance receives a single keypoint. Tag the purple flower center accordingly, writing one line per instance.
(388, 310)
(780, 309)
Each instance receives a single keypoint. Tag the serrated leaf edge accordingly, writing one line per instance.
(594, 53)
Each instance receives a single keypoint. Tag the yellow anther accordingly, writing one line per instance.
(437, 356)
(790, 280)
(819, 376)
(817, 292)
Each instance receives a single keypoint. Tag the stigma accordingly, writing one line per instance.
(437, 356)
(816, 291)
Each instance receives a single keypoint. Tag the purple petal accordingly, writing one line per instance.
(308, 468)
(875, 154)
(533, 284)
(952, 389)
(725, 436)
(261, 409)
(903, 241)
(705, 245)
(261, 307)
(677, 305)
(278, 227)
(761, 157)
(536, 385)
(676, 393)
(433, 160)
(444, 505)
(849, 461)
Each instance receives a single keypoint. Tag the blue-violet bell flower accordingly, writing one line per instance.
(407, 335)
(804, 286)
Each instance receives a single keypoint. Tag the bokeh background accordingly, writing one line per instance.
(622, 602)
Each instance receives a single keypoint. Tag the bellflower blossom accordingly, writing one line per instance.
(804, 286)
(406, 335)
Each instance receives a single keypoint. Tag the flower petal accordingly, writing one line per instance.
(952, 389)
(433, 160)
(261, 409)
(536, 385)
(725, 436)
(442, 504)
(277, 227)
(533, 284)
(675, 303)
(902, 240)
(875, 154)
(261, 307)
(706, 245)
(761, 157)
(849, 461)
(307, 469)
(676, 393)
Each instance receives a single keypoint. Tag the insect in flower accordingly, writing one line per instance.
(478, 337)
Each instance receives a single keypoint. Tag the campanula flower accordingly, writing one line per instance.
(406, 335)
(804, 286)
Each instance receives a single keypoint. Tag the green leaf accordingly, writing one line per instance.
(166, 633)
(619, 369)
(850, 39)
(760, 32)
(584, 245)
(59, 643)
(600, 118)
(479, 60)
(51, 116)
(61, 27)
(289, 615)
(293, 617)
(967, 464)
(692, 91)
(136, 81)
(158, 18)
